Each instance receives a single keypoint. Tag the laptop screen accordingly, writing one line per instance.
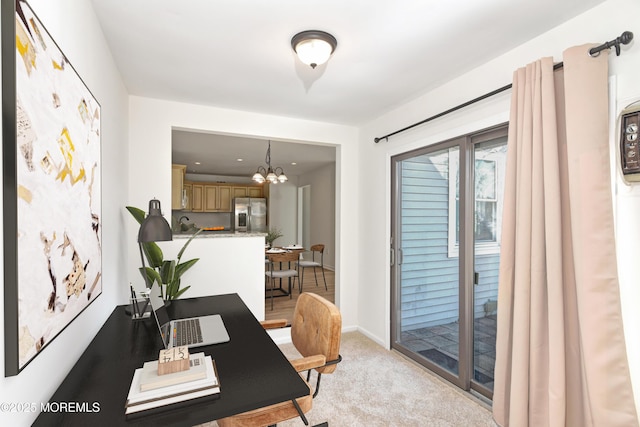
(160, 313)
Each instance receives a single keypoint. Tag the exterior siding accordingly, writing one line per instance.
(429, 288)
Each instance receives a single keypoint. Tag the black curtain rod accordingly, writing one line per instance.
(625, 38)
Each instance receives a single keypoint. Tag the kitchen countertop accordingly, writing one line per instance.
(216, 234)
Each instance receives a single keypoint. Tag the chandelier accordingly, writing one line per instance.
(273, 176)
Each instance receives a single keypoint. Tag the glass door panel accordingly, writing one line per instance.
(446, 215)
(489, 171)
(427, 321)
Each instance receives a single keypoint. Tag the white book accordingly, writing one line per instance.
(149, 378)
(136, 396)
(173, 399)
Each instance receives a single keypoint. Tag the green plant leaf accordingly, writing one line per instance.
(187, 244)
(161, 271)
(137, 213)
(181, 291)
(181, 268)
(173, 289)
(152, 275)
(167, 271)
(153, 253)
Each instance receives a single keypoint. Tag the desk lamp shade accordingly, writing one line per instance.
(154, 228)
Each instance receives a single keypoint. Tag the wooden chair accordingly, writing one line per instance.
(313, 264)
(283, 273)
(315, 332)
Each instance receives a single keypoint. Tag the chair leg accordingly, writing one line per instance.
(317, 385)
(272, 280)
(301, 280)
(314, 275)
(325, 280)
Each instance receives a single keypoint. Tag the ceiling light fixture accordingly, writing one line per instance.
(314, 47)
(273, 176)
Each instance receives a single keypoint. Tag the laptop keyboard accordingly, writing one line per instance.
(187, 332)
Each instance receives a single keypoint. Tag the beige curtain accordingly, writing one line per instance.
(560, 351)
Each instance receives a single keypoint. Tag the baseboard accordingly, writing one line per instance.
(372, 337)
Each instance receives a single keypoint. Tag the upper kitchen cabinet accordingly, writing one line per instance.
(197, 197)
(177, 185)
(247, 191)
(206, 197)
(217, 198)
(239, 191)
(254, 191)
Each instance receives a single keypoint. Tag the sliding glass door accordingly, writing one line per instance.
(447, 210)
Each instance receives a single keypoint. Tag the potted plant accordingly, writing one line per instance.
(161, 271)
(272, 235)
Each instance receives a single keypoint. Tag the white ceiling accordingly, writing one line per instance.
(219, 154)
(237, 54)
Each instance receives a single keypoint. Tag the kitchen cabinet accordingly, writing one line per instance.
(247, 191)
(217, 198)
(177, 185)
(210, 198)
(207, 197)
(254, 191)
(224, 198)
(197, 198)
(239, 191)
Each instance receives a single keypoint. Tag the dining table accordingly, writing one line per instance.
(279, 250)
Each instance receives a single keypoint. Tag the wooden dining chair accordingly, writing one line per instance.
(316, 330)
(285, 272)
(313, 263)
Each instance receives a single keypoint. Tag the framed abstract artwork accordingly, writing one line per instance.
(52, 188)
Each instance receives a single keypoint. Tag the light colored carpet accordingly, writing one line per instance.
(375, 387)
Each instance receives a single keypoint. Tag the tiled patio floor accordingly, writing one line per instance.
(444, 338)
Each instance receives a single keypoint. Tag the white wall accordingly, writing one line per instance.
(322, 182)
(74, 27)
(241, 272)
(151, 121)
(283, 208)
(595, 26)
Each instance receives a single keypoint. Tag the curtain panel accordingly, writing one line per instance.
(560, 351)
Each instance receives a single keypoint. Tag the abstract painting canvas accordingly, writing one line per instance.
(57, 268)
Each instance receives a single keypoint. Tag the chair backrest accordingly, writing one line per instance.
(283, 257)
(316, 329)
(317, 248)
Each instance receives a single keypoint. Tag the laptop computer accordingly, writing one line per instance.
(190, 332)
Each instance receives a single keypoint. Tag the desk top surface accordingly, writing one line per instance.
(253, 371)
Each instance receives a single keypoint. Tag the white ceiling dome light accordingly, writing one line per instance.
(314, 47)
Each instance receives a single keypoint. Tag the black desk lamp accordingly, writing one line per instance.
(154, 228)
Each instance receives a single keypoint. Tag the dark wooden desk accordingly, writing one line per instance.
(253, 371)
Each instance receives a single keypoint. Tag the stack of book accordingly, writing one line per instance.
(149, 390)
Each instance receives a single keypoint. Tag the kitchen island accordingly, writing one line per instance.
(230, 262)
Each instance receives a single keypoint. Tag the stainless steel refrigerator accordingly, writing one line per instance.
(250, 214)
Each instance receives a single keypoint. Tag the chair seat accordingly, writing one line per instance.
(269, 415)
(309, 264)
(278, 274)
